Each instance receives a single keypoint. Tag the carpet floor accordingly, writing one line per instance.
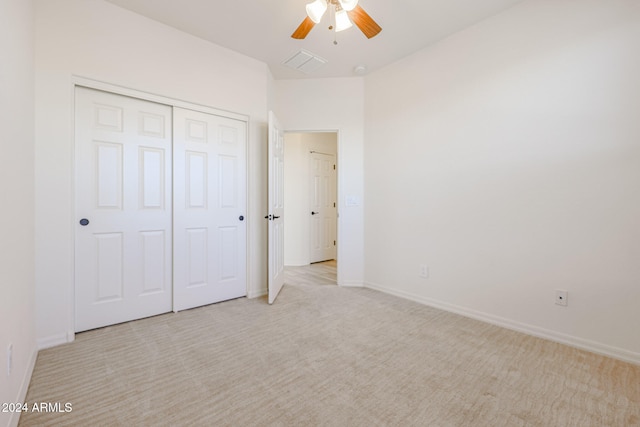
(323, 355)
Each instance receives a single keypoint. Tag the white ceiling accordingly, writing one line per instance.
(261, 29)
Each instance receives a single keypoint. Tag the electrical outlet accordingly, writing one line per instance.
(562, 297)
(424, 271)
(9, 359)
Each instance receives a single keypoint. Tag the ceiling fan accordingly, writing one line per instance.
(345, 11)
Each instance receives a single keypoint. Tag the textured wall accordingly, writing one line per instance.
(100, 41)
(507, 159)
(17, 299)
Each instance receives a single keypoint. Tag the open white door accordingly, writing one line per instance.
(276, 208)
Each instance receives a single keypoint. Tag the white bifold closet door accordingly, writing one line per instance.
(210, 230)
(160, 206)
(123, 206)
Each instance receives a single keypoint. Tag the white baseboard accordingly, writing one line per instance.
(24, 387)
(592, 346)
(257, 294)
(55, 340)
(351, 284)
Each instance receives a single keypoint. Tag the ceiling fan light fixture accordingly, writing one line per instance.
(345, 13)
(348, 4)
(342, 20)
(316, 9)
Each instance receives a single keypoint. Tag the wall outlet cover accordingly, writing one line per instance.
(562, 297)
(9, 359)
(424, 271)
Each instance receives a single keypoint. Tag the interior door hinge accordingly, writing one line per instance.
(334, 243)
(334, 167)
(334, 204)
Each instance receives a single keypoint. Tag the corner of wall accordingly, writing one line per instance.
(14, 419)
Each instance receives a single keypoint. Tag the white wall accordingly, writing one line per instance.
(17, 299)
(334, 105)
(297, 235)
(507, 158)
(97, 40)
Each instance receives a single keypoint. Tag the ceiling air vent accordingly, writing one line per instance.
(305, 61)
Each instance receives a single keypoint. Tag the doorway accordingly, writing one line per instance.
(310, 191)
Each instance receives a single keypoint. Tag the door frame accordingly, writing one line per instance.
(339, 185)
(80, 81)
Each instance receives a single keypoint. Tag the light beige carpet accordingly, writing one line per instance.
(327, 356)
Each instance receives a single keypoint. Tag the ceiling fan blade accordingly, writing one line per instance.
(303, 29)
(367, 25)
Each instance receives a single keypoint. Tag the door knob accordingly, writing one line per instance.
(84, 221)
(241, 218)
(275, 217)
(314, 213)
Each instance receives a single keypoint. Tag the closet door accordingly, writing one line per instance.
(209, 226)
(123, 209)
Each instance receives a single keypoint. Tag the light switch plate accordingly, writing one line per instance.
(352, 201)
